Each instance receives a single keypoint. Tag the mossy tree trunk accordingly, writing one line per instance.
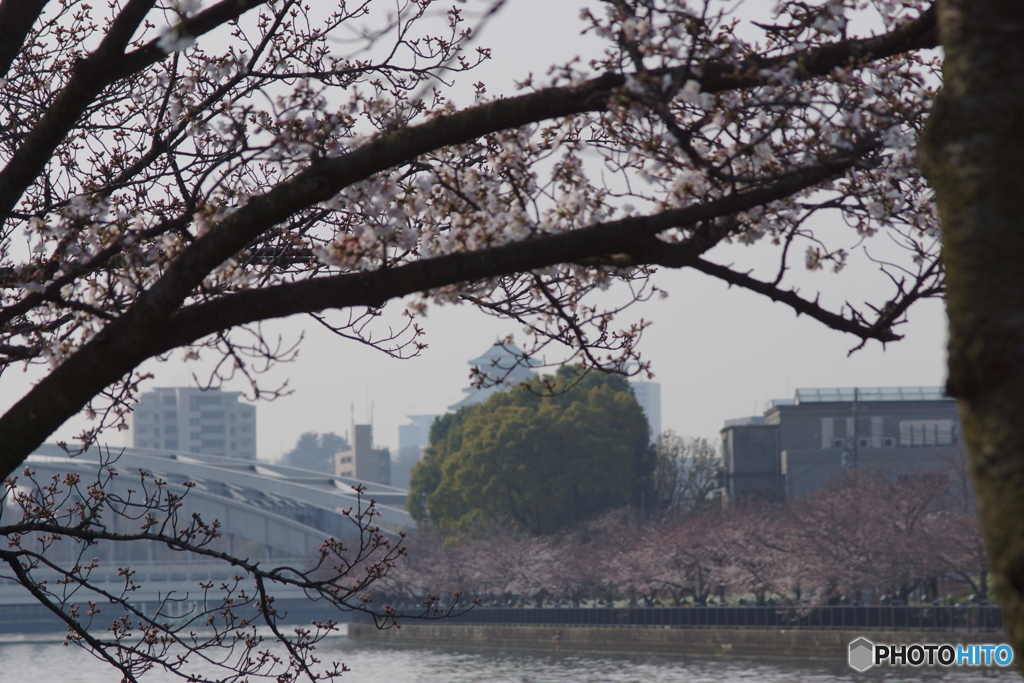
(973, 154)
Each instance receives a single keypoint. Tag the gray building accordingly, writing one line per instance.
(648, 395)
(800, 445)
(363, 461)
(192, 420)
(412, 439)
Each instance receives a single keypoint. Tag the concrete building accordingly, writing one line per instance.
(193, 420)
(504, 367)
(800, 445)
(363, 461)
(648, 395)
(412, 439)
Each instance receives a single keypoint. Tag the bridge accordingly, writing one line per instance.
(274, 514)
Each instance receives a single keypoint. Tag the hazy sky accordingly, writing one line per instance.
(718, 353)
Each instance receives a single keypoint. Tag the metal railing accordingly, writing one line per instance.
(854, 617)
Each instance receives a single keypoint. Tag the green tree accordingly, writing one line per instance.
(425, 477)
(315, 452)
(543, 461)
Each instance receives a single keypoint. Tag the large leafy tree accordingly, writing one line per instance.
(543, 462)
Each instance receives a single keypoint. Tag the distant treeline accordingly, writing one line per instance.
(868, 538)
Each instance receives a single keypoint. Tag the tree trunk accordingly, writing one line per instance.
(972, 153)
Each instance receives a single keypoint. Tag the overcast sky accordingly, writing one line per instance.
(718, 353)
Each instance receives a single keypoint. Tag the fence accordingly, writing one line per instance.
(856, 617)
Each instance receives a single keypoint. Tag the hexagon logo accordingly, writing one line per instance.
(862, 654)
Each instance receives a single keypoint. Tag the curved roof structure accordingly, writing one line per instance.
(277, 515)
(287, 509)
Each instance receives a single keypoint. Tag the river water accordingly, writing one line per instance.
(45, 660)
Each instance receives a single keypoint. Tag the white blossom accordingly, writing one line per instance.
(175, 39)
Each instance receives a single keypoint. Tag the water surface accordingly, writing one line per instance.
(46, 660)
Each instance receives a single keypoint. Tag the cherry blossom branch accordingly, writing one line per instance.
(16, 20)
(91, 75)
(129, 340)
(633, 237)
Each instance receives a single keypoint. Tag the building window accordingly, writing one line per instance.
(193, 421)
(212, 415)
(199, 401)
(170, 400)
(926, 432)
(347, 458)
(171, 415)
(172, 443)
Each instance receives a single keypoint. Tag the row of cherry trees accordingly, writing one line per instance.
(869, 538)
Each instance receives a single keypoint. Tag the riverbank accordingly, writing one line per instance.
(793, 643)
(34, 618)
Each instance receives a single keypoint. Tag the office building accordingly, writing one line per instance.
(193, 420)
(800, 445)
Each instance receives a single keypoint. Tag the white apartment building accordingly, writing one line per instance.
(192, 420)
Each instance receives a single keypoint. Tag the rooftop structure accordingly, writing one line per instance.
(274, 514)
(848, 394)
